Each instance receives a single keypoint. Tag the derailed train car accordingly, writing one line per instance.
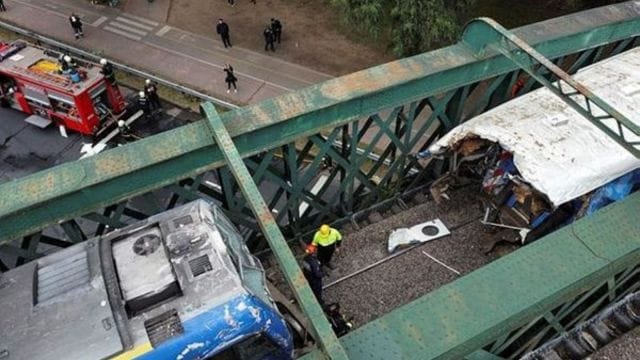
(179, 285)
(538, 162)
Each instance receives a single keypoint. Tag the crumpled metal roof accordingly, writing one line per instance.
(555, 149)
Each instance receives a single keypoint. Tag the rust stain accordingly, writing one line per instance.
(159, 151)
(112, 165)
(51, 183)
(298, 280)
(258, 116)
(372, 80)
(292, 105)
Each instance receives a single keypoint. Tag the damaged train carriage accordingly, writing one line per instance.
(539, 163)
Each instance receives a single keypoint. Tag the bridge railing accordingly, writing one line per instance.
(357, 130)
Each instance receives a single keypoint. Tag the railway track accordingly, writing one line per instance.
(368, 282)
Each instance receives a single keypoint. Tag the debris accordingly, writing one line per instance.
(440, 262)
(470, 145)
(420, 233)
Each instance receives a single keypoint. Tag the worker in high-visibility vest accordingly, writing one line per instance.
(328, 240)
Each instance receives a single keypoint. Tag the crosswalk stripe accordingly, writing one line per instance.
(141, 19)
(128, 28)
(134, 23)
(165, 29)
(99, 21)
(123, 33)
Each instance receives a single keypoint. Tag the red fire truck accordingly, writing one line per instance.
(79, 98)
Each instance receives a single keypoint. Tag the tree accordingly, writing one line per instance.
(365, 15)
(419, 25)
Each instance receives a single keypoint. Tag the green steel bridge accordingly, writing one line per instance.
(367, 124)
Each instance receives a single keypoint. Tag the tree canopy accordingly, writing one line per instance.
(416, 25)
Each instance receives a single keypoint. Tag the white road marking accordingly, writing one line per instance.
(165, 29)
(134, 23)
(128, 28)
(141, 19)
(123, 33)
(99, 22)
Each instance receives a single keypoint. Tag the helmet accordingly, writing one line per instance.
(121, 123)
(103, 61)
(325, 229)
(141, 93)
(147, 81)
(310, 249)
(67, 58)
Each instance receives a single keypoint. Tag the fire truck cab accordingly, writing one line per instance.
(74, 95)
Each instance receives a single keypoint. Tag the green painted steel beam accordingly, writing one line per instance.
(527, 58)
(73, 189)
(324, 335)
(468, 314)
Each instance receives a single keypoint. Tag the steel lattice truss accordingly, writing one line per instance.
(318, 155)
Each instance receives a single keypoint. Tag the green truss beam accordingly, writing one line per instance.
(74, 189)
(575, 94)
(458, 319)
(324, 334)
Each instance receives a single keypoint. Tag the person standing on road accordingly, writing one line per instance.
(76, 24)
(223, 29)
(151, 91)
(231, 2)
(230, 78)
(328, 240)
(276, 27)
(269, 39)
(313, 272)
(2, 7)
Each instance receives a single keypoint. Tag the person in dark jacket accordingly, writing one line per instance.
(144, 104)
(151, 91)
(223, 29)
(276, 27)
(2, 7)
(230, 78)
(76, 24)
(269, 39)
(312, 272)
(107, 71)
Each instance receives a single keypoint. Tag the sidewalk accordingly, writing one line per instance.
(148, 43)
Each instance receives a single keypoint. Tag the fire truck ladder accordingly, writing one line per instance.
(50, 78)
(613, 123)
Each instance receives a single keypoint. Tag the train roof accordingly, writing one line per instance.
(171, 267)
(26, 61)
(555, 149)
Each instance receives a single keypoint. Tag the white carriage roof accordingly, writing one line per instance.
(555, 149)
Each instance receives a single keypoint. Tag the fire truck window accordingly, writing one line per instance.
(100, 102)
(36, 95)
(59, 106)
(6, 83)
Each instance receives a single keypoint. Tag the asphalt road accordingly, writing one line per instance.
(25, 149)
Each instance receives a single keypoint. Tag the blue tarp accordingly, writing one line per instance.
(614, 190)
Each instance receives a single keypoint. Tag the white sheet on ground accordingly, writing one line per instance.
(558, 151)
